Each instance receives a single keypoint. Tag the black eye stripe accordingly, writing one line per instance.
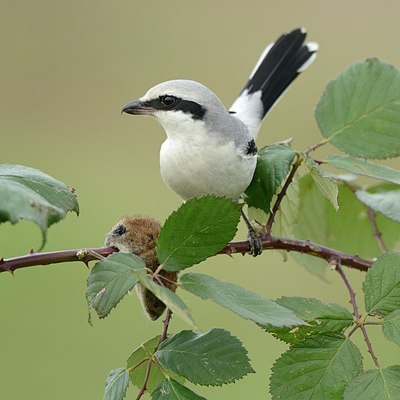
(196, 110)
(120, 230)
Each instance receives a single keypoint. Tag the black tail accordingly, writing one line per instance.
(281, 64)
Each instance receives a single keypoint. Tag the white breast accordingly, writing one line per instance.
(200, 165)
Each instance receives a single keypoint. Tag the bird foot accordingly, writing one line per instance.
(255, 243)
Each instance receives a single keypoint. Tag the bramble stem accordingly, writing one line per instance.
(268, 242)
(359, 323)
(163, 337)
(282, 195)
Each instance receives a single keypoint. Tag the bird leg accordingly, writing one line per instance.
(253, 237)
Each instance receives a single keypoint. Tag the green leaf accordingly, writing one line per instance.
(391, 326)
(137, 375)
(359, 111)
(273, 165)
(348, 229)
(200, 228)
(170, 389)
(364, 168)
(385, 202)
(110, 280)
(212, 358)
(242, 302)
(316, 368)
(382, 285)
(325, 183)
(321, 317)
(27, 193)
(376, 384)
(116, 384)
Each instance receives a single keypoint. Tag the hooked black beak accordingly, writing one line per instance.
(137, 107)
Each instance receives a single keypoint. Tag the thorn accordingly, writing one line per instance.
(86, 262)
(31, 251)
(2, 260)
(12, 272)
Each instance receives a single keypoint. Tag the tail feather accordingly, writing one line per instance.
(280, 63)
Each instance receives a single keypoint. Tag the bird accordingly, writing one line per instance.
(210, 149)
(138, 235)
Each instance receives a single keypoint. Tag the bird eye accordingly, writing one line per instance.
(168, 101)
(120, 230)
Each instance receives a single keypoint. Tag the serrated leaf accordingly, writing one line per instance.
(242, 302)
(376, 384)
(116, 384)
(365, 168)
(110, 280)
(28, 193)
(212, 358)
(391, 326)
(273, 165)
(197, 230)
(385, 202)
(170, 389)
(321, 317)
(382, 285)
(325, 183)
(359, 111)
(317, 368)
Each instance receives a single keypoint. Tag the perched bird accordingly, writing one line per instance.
(210, 150)
(138, 235)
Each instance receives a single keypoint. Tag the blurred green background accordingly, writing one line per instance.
(66, 68)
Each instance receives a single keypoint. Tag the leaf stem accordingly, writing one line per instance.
(359, 323)
(315, 146)
(282, 194)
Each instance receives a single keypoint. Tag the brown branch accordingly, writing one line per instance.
(302, 246)
(145, 380)
(359, 322)
(282, 195)
(375, 230)
(54, 257)
(268, 242)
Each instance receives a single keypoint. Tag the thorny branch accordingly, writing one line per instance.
(163, 337)
(268, 242)
(359, 322)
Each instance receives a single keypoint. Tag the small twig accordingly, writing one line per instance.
(166, 322)
(359, 323)
(338, 267)
(163, 337)
(282, 194)
(375, 230)
(145, 380)
(369, 346)
(315, 146)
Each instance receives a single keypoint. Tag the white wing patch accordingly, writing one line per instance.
(249, 109)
